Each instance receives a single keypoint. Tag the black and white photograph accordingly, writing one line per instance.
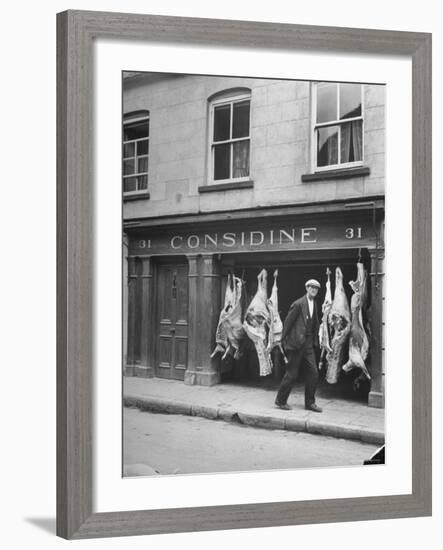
(220, 289)
(253, 256)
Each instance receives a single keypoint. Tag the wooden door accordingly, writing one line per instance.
(172, 324)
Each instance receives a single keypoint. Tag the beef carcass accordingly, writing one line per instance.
(323, 333)
(339, 320)
(358, 340)
(276, 325)
(221, 337)
(257, 322)
(232, 322)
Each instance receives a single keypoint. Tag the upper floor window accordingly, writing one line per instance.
(230, 138)
(135, 151)
(338, 125)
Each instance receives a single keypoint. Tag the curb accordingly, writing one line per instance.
(257, 420)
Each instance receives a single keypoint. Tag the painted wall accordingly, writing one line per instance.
(280, 145)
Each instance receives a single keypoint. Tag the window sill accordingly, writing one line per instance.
(340, 173)
(213, 187)
(136, 196)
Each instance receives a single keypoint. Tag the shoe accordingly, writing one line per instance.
(283, 406)
(314, 407)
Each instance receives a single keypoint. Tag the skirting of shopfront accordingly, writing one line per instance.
(177, 270)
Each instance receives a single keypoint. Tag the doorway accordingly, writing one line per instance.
(172, 321)
(293, 272)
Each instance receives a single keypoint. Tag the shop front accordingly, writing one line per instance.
(178, 269)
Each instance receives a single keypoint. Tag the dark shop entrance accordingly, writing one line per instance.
(294, 269)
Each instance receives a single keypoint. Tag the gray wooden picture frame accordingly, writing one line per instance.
(76, 32)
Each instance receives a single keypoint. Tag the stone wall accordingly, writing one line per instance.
(280, 145)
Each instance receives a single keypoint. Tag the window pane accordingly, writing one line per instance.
(351, 142)
(128, 166)
(129, 184)
(136, 130)
(129, 149)
(326, 102)
(143, 147)
(142, 164)
(327, 146)
(350, 100)
(142, 182)
(222, 117)
(222, 161)
(241, 159)
(240, 122)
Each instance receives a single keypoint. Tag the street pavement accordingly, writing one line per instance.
(175, 444)
(252, 406)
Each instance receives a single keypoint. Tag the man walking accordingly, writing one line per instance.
(299, 338)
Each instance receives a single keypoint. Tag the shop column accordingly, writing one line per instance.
(376, 396)
(139, 360)
(204, 310)
(132, 352)
(146, 367)
(193, 293)
(125, 297)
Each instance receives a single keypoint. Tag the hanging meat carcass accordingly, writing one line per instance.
(257, 322)
(276, 325)
(233, 321)
(323, 333)
(339, 320)
(230, 330)
(358, 340)
(221, 337)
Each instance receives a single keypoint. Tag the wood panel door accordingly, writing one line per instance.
(172, 324)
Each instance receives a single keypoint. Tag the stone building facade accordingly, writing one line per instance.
(230, 175)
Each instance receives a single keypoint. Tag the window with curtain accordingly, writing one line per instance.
(230, 138)
(135, 152)
(338, 125)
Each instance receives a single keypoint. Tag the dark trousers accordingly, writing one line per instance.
(303, 357)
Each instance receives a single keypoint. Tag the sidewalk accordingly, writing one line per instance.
(255, 407)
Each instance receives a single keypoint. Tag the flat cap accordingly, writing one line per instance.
(313, 282)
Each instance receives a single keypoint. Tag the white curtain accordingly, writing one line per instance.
(357, 139)
(241, 159)
(351, 134)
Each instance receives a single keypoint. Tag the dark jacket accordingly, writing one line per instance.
(294, 327)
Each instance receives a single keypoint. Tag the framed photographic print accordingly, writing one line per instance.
(244, 280)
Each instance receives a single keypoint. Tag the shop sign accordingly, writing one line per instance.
(254, 239)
